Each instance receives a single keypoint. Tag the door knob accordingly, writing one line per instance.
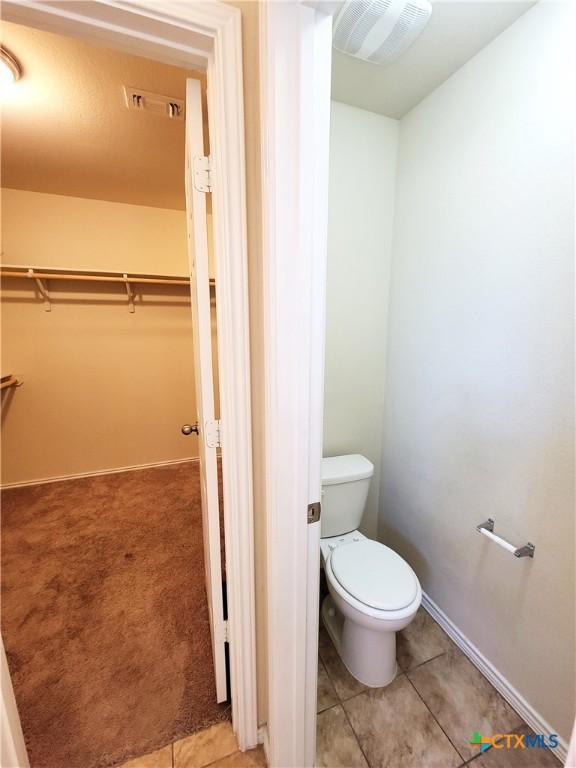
(187, 429)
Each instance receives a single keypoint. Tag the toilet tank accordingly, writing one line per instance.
(345, 486)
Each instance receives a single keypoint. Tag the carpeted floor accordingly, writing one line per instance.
(104, 615)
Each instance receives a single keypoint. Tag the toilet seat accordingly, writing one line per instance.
(381, 615)
(375, 575)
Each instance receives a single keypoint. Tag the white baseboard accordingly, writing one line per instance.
(115, 471)
(502, 685)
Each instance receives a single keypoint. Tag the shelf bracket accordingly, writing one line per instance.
(10, 381)
(130, 294)
(43, 289)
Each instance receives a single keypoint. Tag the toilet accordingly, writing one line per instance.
(373, 592)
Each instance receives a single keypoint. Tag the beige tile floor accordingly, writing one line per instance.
(215, 747)
(424, 719)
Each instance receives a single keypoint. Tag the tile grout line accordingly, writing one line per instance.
(471, 760)
(368, 763)
(340, 703)
(460, 755)
(465, 760)
(403, 672)
(236, 752)
(348, 698)
(324, 667)
(340, 699)
(422, 663)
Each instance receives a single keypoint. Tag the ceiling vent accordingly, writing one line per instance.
(144, 101)
(379, 30)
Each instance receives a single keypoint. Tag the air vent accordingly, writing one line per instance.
(144, 101)
(379, 30)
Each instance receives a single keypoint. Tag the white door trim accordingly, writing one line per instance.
(12, 747)
(205, 34)
(295, 45)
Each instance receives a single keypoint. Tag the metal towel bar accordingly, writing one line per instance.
(487, 529)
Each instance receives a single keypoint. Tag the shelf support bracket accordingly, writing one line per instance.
(130, 294)
(43, 289)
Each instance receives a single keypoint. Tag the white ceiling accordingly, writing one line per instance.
(66, 129)
(457, 30)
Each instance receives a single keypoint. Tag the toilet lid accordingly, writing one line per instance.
(375, 575)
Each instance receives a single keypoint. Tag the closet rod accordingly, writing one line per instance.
(42, 274)
(33, 275)
(9, 381)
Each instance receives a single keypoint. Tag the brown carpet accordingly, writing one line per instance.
(104, 619)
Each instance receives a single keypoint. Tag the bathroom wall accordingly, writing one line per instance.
(103, 388)
(479, 397)
(361, 208)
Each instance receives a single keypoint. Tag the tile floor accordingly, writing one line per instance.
(215, 747)
(424, 719)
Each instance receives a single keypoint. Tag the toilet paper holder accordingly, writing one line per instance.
(487, 529)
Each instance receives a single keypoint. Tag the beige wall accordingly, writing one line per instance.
(103, 388)
(361, 208)
(77, 233)
(480, 391)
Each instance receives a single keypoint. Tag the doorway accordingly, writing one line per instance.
(402, 513)
(97, 21)
(104, 597)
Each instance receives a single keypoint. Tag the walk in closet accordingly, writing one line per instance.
(105, 617)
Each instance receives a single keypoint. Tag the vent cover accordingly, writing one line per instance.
(379, 30)
(144, 101)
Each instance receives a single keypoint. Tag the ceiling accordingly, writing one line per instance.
(457, 30)
(66, 129)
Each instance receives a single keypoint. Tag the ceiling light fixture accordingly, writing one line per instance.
(10, 69)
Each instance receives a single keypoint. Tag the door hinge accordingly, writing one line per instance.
(212, 433)
(314, 510)
(203, 174)
(221, 632)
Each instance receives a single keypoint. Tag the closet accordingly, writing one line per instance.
(105, 616)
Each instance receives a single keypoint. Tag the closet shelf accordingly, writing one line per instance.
(41, 274)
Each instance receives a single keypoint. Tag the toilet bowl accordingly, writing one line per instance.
(373, 592)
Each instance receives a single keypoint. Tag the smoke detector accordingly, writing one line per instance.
(144, 101)
(379, 30)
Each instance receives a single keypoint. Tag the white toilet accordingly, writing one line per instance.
(373, 592)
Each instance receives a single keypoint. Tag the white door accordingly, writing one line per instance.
(208, 427)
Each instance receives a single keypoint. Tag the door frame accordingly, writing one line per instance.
(295, 65)
(206, 35)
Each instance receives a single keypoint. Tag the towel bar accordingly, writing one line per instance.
(487, 529)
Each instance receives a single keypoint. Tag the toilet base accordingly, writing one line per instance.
(369, 655)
